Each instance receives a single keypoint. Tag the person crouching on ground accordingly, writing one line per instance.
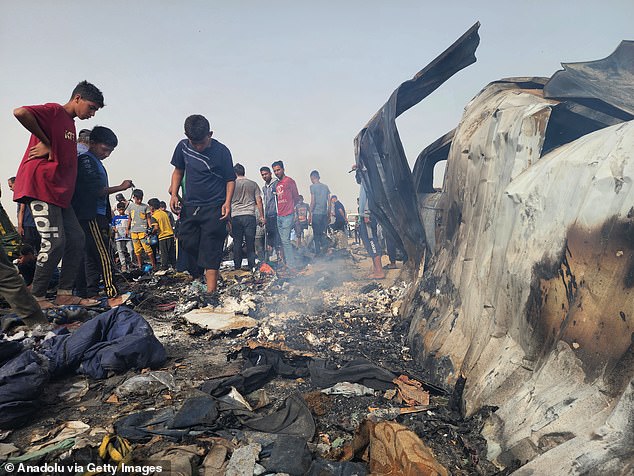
(340, 225)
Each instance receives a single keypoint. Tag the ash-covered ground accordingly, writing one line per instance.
(329, 312)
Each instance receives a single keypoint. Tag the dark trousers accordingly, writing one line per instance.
(319, 230)
(243, 230)
(13, 290)
(167, 248)
(390, 244)
(32, 237)
(62, 236)
(186, 261)
(393, 250)
(97, 261)
(202, 233)
(370, 239)
(260, 250)
(272, 235)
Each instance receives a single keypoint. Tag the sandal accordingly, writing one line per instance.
(45, 304)
(70, 300)
(119, 300)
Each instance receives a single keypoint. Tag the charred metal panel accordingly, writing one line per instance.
(593, 95)
(569, 121)
(381, 160)
(606, 85)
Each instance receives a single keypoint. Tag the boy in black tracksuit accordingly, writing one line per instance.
(93, 211)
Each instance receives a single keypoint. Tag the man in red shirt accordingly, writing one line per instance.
(46, 182)
(287, 198)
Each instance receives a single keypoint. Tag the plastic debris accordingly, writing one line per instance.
(147, 384)
(348, 389)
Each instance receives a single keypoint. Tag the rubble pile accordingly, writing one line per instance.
(318, 382)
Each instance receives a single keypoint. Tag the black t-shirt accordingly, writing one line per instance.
(340, 222)
(206, 172)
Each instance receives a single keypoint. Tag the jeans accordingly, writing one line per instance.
(272, 239)
(122, 246)
(260, 250)
(243, 229)
(319, 229)
(284, 227)
(187, 262)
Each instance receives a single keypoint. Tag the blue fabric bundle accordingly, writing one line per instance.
(115, 341)
(23, 375)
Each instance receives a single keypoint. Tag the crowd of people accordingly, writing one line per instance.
(64, 215)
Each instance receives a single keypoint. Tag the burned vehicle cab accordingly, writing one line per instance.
(526, 289)
(529, 292)
(429, 198)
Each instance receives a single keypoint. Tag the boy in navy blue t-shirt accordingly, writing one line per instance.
(207, 167)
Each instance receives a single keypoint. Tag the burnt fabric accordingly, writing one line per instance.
(7, 322)
(142, 426)
(289, 455)
(357, 371)
(22, 380)
(196, 412)
(115, 341)
(275, 358)
(245, 382)
(294, 418)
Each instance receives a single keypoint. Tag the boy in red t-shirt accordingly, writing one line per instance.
(46, 182)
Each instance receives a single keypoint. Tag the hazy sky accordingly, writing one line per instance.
(286, 80)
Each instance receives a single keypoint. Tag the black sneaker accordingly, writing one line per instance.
(211, 299)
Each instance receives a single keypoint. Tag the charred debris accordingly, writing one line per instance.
(509, 351)
(309, 375)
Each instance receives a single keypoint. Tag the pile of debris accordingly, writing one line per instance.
(302, 375)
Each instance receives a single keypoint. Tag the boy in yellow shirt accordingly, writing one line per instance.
(162, 227)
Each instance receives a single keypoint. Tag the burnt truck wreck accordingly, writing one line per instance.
(525, 258)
